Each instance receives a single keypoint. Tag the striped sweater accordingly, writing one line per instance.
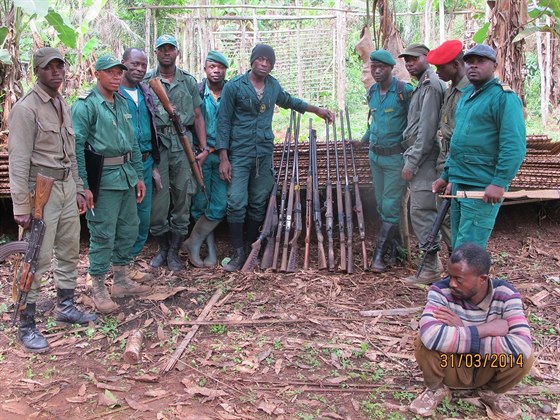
(503, 301)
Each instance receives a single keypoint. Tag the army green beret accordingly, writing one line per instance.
(382, 56)
(108, 61)
(217, 57)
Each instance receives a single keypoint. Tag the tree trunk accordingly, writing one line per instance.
(391, 38)
(507, 19)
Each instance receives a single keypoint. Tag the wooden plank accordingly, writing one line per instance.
(392, 312)
(550, 194)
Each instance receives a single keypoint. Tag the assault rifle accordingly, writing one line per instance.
(266, 260)
(347, 205)
(329, 219)
(290, 206)
(281, 217)
(269, 226)
(339, 206)
(321, 260)
(442, 211)
(358, 199)
(159, 90)
(292, 260)
(308, 205)
(43, 188)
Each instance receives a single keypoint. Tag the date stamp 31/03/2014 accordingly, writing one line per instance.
(476, 360)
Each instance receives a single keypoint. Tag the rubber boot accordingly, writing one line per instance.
(161, 256)
(239, 255)
(431, 272)
(384, 238)
(393, 248)
(101, 297)
(28, 334)
(124, 286)
(174, 262)
(212, 257)
(201, 230)
(253, 232)
(66, 313)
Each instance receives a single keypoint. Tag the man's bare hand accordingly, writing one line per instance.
(140, 191)
(493, 194)
(24, 220)
(225, 170)
(82, 203)
(407, 175)
(496, 328)
(448, 317)
(439, 186)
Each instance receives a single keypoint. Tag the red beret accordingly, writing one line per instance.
(445, 53)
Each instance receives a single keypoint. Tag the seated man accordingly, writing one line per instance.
(473, 335)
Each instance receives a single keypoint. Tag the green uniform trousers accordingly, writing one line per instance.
(471, 220)
(62, 238)
(216, 189)
(144, 208)
(388, 185)
(251, 182)
(423, 208)
(113, 230)
(171, 206)
(497, 379)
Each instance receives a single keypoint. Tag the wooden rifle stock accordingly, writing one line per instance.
(281, 216)
(43, 188)
(290, 207)
(357, 197)
(160, 92)
(329, 219)
(347, 204)
(266, 260)
(292, 260)
(308, 206)
(321, 258)
(442, 211)
(339, 206)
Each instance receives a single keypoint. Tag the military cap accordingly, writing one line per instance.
(445, 53)
(415, 50)
(108, 61)
(44, 56)
(166, 39)
(382, 56)
(481, 50)
(217, 57)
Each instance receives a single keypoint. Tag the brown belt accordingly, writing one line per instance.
(117, 160)
(58, 174)
(387, 151)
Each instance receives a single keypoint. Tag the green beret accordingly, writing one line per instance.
(217, 57)
(383, 56)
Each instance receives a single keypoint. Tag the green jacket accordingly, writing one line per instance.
(488, 144)
(108, 130)
(388, 114)
(420, 137)
(183, 95)
(244, 122)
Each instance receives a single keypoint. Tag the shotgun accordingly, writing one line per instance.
(308, 205)
(442, 211)
(347, 204)
(339, 206)
(292, 260)
(358, 199)
(159, 90)
(281, 216)
(290, 206)
(321, 259)
(43, 188)
(329, 219)
(266, 260)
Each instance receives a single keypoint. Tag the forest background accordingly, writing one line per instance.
(86, 29)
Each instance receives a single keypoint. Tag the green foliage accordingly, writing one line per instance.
(33, 7)
(65, 32)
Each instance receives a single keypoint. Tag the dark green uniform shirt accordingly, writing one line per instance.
(107, 128)
(488, 144)
(245, 122)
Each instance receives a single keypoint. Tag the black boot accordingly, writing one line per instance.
(161, 255)
(253, 231)
(383, 241)
(394, 243)
(174, 262)
(239, 254)
(28, 334)
(66, 313)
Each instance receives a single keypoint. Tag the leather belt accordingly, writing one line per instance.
(58, 174)
(145, 156)
(387, 151)
(171, 129)
(117, 160)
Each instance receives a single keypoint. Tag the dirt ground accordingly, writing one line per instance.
(274, 346)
